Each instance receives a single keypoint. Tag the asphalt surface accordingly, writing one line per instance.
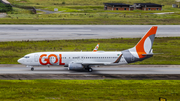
(164, 72)
(121, 69)
(60, 32)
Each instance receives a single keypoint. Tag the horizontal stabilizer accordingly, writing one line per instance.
(147, 54)
(151, 54)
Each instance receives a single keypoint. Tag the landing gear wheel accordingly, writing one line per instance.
(90, 69)
(32, 69)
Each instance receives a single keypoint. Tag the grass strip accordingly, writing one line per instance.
(98, 21)
(89, 90)
(10, 52)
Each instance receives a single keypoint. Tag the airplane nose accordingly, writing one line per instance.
(20, 60)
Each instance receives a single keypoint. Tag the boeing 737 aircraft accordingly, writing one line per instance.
(85, 60)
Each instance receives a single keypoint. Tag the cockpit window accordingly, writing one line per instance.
(26, 56)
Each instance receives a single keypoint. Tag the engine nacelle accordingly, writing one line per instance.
(74, 66)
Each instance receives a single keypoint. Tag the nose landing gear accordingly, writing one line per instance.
(32, 69)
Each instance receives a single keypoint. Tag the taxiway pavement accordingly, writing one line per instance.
(162, 72)
(122, 69)
(60, 32)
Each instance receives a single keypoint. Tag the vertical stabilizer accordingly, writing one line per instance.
(145, 44)
(143, 49)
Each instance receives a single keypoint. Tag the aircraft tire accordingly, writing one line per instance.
(90, 69)
(32, 69)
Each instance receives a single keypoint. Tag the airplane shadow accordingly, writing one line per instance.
(96, 73)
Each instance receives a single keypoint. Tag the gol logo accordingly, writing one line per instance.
(48, 59)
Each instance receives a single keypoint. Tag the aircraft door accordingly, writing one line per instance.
(78, 59)
(36, 58)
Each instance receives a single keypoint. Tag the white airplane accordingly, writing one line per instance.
(85, 60)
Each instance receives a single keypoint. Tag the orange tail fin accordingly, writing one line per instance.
(145, 44)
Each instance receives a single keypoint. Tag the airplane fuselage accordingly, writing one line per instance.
(64, 58)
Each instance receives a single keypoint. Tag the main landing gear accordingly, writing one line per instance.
(89, 69)
(32, 69)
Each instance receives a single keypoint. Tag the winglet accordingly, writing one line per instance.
(96, 48)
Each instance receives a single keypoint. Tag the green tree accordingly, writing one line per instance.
(5, 7)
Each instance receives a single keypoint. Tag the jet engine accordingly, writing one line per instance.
(75, 66)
